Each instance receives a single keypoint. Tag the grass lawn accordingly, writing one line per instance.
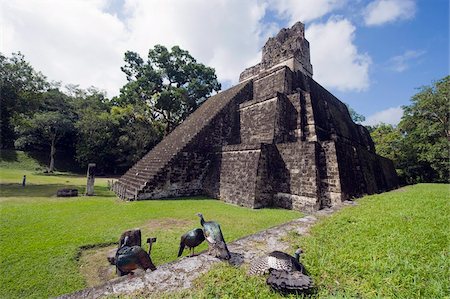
(390, 245)
(40, 235)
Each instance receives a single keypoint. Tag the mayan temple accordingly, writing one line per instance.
(277, 138)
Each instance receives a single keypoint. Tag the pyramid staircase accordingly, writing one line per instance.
(153, 165)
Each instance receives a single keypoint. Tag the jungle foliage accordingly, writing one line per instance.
(419, 145)
(37, 115)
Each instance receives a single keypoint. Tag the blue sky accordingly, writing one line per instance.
(427, 34)
(372, 54)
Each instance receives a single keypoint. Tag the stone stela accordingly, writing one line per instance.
(90, 179)
(277, 138)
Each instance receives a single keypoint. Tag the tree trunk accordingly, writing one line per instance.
(169, 125)
(51, 168)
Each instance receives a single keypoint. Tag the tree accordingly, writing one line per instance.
(356, 117)
(115, 139)
(425, 124)
(137, 134)
(97, 139)
(388, 141)
(44, 128)
(171, 83)
(20, 85)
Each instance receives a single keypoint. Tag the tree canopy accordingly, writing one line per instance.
(425, 124)
(20, 85)
(171, 84)
(160, 93)
(356, 117)
(419, 145)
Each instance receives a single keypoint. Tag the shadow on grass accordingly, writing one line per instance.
(198, 197)
(47, 190)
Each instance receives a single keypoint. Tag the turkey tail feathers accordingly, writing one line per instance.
(180, 251)
(290, 282)
(259, 267)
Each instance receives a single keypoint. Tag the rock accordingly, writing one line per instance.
(90, 179)
(111, 257)
(67, 193)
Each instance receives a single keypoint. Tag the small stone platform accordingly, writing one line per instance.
(180, 274)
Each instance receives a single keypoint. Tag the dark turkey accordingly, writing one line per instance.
(214, 237)
(129, 258)
(134, 237)
(191, 239)
(288, 282)
(286, 273)
(279, 261)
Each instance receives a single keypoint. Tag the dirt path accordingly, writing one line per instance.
(180, 274)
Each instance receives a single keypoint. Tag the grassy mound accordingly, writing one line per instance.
(391, 245)
(18, 160)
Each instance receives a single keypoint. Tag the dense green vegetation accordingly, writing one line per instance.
(391, 245)
(40, 234)
(419, 145)
(37, 115)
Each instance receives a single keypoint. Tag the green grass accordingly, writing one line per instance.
(391, 245)
(40, 235)
(10, 159)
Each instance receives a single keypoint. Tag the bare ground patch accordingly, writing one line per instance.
(165, 223)
(94, 266)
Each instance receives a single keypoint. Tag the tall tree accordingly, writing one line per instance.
(388, 141)
(97, 139)
(46, 128)
(425, 124)
(20, 85)
(356, 117)
(171, 83)
(137, 134)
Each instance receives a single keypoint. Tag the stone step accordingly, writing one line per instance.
(141, 175)
(147, 168)
(151, 161)
(133, 183)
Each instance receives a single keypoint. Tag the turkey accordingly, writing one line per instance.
(286, 273)
(191, 239)
(214, 237)
(288, 282)
(129, 258)
(279, 261)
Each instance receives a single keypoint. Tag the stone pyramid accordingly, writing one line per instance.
(277, 138)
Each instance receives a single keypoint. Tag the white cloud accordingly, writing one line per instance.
(304, 10)
(380, 12)
(70, 41)
(79, 42)
(335, 59)
(83, 42)
(391, 116)
(401, 63)
(222, 34)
